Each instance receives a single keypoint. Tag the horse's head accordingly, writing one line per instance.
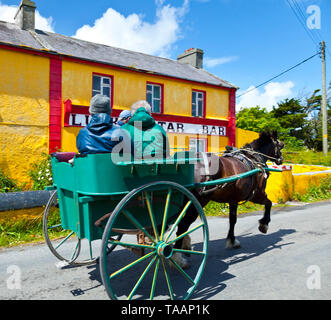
(270, 145)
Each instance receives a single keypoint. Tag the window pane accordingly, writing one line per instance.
(97, 83)
(194, 110)
(157, 106)
(106, 91)
(95, 92)
(149, 98)
(157, 92)
(193, 145)
(149, 88)
(194, 96)
(201, 146)
(200, 107)
(106, 81)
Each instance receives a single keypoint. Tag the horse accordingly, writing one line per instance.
(234, 161)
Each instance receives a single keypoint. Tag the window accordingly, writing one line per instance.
(102, 85)
(155, 96)
(198, 103)
(198, 145)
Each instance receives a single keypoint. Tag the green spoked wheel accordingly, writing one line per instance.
(63, 243)
(150, 269)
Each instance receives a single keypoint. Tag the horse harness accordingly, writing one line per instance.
(251, 163)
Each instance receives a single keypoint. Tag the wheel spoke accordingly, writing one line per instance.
(151, 215)
(186, 233)
(131, 265)
(54, 227)
(141, 278)
(180, 269)
(189, 251)
(167, 279)
(64, 240)
(138, 225)
(178, 220)
(75, 251)
(155, 278)
(134, 245)
(91, 254)
(165, 215)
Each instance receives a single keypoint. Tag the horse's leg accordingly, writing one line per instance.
(231, 241)
(184, 243)
(264, 222)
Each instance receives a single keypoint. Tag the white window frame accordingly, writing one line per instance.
(199, 96)
(194, 145)
(151, 91)
(102, 85)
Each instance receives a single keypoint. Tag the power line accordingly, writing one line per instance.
(302, 22)
(298, 10)
(265, 82)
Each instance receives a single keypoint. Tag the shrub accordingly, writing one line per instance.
(316, 193)
(7, 184)
(41, 173)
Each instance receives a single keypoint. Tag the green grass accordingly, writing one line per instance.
(307, 157)
(15, 233)
(23, 231)
(222, 209)
(316, 193)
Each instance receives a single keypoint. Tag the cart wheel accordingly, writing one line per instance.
(155, 274)
(64, 244)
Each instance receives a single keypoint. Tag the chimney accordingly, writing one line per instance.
(25, 15)
(193, 57)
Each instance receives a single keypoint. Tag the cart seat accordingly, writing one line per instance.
(64, 156)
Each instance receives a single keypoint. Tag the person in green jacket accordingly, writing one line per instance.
(149, 138)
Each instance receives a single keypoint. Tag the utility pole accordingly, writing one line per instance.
(324, 103)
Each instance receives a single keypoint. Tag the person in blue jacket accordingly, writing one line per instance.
(101, 135)
(124, 117)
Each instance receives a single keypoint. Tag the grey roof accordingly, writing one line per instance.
(11, 34)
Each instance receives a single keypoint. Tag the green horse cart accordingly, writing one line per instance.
(100, 209)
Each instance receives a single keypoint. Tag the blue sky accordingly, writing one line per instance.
(245, 42)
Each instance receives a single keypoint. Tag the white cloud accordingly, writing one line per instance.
(133, 33)
(7, 13)
(214, 62)
(272, 94)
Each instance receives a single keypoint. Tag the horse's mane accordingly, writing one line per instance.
(264, 139)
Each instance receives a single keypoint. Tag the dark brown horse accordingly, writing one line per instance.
(235, 161)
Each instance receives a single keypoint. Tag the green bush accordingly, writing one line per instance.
(7, 184)
(41, 173)
(316, 193)
(307, 157)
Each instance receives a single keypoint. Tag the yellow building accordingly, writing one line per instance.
(47, 81)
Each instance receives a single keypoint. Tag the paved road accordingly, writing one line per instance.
(293, 261)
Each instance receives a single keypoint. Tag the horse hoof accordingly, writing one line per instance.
(187, 245)
(180, 260)
(263, 228)
(232, 245)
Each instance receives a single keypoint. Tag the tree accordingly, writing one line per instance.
(291, 115)
(313, 129)
(256, 119)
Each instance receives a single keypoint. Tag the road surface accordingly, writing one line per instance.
(292, 261)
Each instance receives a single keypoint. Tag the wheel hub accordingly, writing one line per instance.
(164, 250)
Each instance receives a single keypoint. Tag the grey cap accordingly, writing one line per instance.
(100, 104)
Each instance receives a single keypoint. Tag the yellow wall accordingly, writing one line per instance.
(282, 186)
(244, 136)
(24, 109)
(130, 87)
